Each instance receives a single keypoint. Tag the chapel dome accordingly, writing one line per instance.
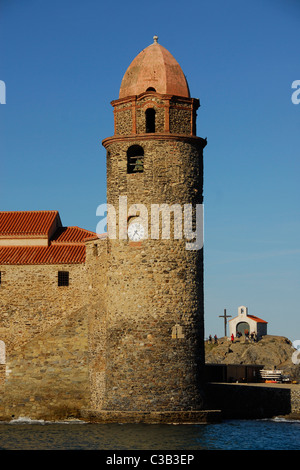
(154, 69)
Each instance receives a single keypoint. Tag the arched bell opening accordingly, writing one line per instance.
(135, 159)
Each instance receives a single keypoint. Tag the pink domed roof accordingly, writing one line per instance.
(154, 68)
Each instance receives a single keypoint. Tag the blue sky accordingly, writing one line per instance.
(63, 62)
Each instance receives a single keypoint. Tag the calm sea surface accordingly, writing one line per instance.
(229, 435)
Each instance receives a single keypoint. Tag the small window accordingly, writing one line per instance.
(151, 89)
(150, 120)
(63, 278)
(135, 159)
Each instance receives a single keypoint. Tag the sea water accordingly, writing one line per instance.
(276, 434)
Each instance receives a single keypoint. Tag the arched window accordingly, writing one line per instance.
(135, 159)
(151, 89)
(150, 120)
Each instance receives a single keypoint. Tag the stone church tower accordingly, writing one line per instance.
(110, 328)
(154, 339)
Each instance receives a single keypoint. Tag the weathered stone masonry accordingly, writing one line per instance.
(31, 301)
(44, 326)
(136, 310)
(122, 340)
(154, 287)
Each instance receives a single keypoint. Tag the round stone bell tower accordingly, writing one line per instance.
(154, 350)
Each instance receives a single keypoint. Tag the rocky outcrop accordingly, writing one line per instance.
(270, 351)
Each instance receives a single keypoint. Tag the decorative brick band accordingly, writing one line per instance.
(157, 136)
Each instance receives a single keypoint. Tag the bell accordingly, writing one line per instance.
(138, 166)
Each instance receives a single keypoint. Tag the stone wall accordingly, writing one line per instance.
(158, 105)
(96, 256)
(123, 121)
(127, 333)
(2, 373)
(180, 122)
(46, 330)
(173, 114)
(148, 365)
(295, 400)
(47, 378)
(154, 317)
(31, 300)
(172, 172)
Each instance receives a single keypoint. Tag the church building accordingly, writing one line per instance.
(246, 324)
(111, 328)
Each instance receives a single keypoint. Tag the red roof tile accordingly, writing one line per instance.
(67, 244)
(154, 67)
(71, 235)
(258, 320)
(54, 254)
(28, 223)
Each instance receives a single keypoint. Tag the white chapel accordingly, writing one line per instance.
(246, 324)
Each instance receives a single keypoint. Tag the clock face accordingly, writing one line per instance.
(136, 232)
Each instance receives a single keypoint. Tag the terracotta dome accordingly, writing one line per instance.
(156, 69)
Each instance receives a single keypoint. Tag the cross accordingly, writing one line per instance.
(225, 320)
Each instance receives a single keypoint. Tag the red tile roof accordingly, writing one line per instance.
(71, 235)
(66, 245)
(54, 254)
(258, 320)
(28, 223)
(154, 67)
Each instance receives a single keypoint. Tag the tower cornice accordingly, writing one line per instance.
(156, 136)
(167, 97)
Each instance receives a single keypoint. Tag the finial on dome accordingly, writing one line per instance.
(155, 39)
